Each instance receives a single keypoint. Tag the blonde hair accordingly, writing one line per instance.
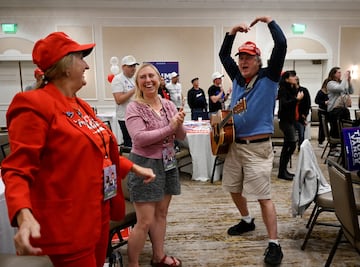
(58, 70)
(139, 96)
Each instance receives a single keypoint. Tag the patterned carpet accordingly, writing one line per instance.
(199, 218)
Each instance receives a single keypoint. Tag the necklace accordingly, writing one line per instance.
(156, 106)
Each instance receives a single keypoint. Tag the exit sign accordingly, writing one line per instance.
(9, 27)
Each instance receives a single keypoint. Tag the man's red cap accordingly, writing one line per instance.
(54, 47)
(38, 72)
(249, 48)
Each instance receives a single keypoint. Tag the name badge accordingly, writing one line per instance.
(169, 159)
(110, 182)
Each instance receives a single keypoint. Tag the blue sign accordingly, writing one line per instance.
(166, 67)
(352, 148)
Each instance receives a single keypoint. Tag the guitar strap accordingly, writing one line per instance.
(248, 87)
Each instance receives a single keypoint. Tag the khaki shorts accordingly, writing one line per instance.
(247, 169)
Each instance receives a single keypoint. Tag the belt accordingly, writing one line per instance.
(199, 109)
(242, 141)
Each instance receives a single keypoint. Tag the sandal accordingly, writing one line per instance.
(163, 264)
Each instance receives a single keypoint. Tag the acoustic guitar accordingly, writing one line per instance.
(223, 132)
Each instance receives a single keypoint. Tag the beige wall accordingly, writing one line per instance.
(84, 35)
(192, 47)
(350, 52)
(192, 36)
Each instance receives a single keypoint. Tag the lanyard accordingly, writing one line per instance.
(93, 122)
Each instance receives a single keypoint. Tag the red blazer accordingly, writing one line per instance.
(55, 169)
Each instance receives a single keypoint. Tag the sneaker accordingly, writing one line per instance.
(335, 154)
(273, 254)
(321, 145)
(242, 227)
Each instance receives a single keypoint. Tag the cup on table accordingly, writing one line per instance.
(199, 119)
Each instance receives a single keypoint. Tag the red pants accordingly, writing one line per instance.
(91, 257)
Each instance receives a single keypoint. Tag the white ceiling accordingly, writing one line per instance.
(233, 4)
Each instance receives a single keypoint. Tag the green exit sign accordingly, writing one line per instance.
(9, 27)
(298, 28)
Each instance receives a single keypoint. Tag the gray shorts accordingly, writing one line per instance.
(165, 183)
(247, 169)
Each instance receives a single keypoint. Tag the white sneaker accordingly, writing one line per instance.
(335, 153)
(321, 145)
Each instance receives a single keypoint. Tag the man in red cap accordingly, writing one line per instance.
(248, 164)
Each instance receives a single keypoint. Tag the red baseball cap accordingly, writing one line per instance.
(249, 48)
(54, 47)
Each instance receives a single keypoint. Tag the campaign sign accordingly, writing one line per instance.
(352, 147)
(166, 67)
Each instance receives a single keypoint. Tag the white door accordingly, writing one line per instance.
(310, 73)
(14, 76)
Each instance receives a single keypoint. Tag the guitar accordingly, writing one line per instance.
(223, 132)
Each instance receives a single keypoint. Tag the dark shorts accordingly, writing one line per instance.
(165, 183)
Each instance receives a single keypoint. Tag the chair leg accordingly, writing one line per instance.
(312, 215)
(334, 248)
(213, 170)
(115, 259)
(312, 224)
(327, 144)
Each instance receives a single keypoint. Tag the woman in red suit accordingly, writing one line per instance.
(60, 154)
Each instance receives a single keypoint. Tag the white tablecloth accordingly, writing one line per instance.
(6, 231)
(198, 137)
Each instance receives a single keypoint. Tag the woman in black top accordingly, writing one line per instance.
(322, 99)
(288, 99)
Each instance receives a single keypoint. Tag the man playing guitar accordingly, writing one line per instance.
(248, 164)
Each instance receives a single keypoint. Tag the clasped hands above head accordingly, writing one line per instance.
(244, 27)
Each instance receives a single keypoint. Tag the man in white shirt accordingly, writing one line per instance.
(174, 88)
(123, 89)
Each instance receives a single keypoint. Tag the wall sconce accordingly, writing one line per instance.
(354, 71)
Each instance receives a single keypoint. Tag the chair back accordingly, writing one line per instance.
(277, 138)
(277, 130)
(357, 114)
(344, 202)
(108, 124)
(314, 116)
(11, 260)
(4, 145)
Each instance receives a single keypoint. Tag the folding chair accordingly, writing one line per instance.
(346, 208)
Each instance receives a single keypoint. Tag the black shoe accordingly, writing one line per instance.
(289, 173)
(273, 254)
(283, 175)
(242, 227)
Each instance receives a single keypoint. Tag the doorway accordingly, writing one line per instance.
(14, 77)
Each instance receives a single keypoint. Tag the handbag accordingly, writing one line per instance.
(343, 101)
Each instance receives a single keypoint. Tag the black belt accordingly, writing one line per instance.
(242, 141)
